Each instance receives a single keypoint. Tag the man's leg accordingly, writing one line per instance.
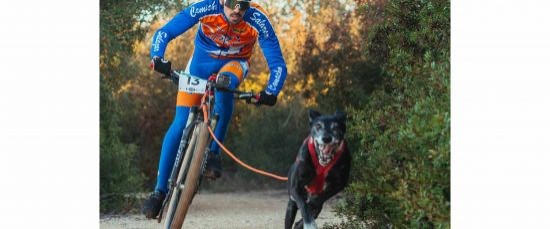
(237, 70)
(168, 153)
(171, 141)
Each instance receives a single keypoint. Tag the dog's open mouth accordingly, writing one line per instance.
(325, 152)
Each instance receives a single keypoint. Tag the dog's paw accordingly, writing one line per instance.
(311, 225)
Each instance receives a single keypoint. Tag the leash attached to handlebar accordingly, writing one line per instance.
(222, 84)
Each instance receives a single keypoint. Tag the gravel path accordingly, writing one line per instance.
(227, 210)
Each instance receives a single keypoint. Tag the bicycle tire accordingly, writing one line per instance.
(193, 176)
(169, 211)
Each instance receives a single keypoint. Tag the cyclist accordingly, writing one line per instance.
(227, 33)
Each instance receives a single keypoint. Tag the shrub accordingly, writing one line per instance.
(118, 171)
(401, 168)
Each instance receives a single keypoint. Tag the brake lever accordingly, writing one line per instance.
(251, 98)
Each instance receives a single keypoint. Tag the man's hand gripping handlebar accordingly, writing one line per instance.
(221, 83)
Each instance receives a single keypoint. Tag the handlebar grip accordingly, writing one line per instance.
(256, 99)
(249, 97)
(173, 76)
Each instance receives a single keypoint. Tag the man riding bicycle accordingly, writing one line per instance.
(227, 33)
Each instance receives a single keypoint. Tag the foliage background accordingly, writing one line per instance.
(385, 62)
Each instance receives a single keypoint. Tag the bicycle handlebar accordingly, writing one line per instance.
(173, 76)
(248, 96)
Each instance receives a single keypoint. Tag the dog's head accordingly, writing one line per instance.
(327, 132)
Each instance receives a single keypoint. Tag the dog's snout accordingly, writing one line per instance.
(327, 139)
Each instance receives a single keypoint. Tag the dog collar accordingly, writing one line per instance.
(317, 184)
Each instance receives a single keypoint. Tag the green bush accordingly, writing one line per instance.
(118, 171)
(401, 168)
(122, 23)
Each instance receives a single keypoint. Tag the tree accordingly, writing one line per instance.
(121, 25)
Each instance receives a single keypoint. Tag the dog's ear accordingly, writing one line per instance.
(340, 116)
(312, 115)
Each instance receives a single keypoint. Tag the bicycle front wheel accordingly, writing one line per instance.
(181, 172)
(191, 182)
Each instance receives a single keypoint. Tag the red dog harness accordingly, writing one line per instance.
(317, 184)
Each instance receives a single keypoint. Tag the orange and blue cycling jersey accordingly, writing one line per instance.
(219, 47)
(222, 40)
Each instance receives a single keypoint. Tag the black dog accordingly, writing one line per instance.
(321, 169)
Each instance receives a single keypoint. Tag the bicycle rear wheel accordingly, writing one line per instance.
(191, 182)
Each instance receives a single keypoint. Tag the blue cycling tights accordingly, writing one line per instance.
(203, 66)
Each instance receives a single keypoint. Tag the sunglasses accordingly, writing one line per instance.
(243, 5)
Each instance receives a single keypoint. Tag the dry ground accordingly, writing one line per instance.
(227, 210)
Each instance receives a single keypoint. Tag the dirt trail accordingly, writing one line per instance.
(228, 210)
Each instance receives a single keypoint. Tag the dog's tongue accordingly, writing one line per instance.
(326, 151)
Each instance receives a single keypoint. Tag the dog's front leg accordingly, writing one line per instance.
(299, 195)
(290, 214)
(318, 201)
(308, 218)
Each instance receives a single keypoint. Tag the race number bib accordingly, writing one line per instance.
(191, 84)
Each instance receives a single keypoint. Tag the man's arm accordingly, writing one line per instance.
(272, 51)
(184, 20)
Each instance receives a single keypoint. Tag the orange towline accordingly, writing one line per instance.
(233, 156)
(244, 164)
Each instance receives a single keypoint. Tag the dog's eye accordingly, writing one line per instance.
(318, 126)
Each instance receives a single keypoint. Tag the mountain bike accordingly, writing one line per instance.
(189, 165)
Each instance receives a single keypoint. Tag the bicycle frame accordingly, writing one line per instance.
(204, 113)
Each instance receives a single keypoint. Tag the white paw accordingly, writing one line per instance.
(312, 225)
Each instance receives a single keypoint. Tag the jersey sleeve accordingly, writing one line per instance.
(184, 20)
(269, 43)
